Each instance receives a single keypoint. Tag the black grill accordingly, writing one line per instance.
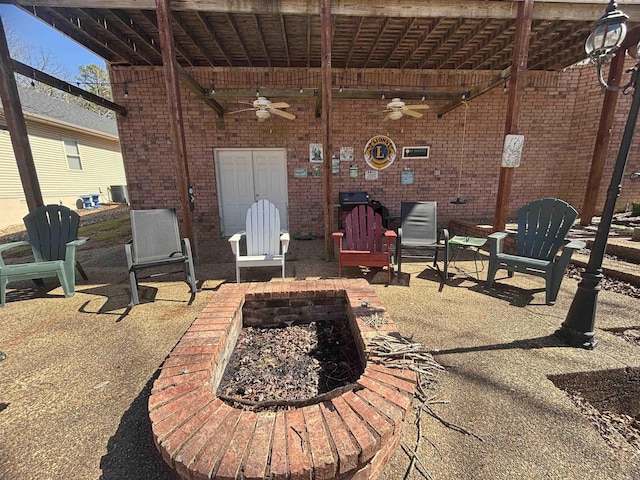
(352, 199)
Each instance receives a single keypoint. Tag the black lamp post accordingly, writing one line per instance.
(606, 37)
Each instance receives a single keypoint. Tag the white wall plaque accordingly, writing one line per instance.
(512, 150)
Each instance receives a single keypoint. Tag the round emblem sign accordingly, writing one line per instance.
(380, 152)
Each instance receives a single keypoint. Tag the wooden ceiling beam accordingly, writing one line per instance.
(177, 19)
(476, 92)
(346, 93)
(353, 41)
(127, 24)
(285, 40)
(308, 41)
(441, 41)
(151, 17)
(433, 25)
(115, 37)
(587, 10)
(463, 41)
(485, 51)
(71, 29)
(379, 36)
(66, 87)
(401, 38)
(214, 37)
(234, 27)
(262, 41)
(193, 85)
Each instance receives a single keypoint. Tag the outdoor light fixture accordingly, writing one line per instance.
(634, 175)
(605, 40)
(606, 37)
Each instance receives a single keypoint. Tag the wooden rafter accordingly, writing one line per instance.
(101, 28)
(204, 51)
(476, 92)
(351, 93)
(379, 36)
(128, 25)
(441, 41)
(486, 48)
(193, 85)
(356, 34)
(586, 10)
(433, 26)
(308, 41)
(285, 40)
(150, 16)
(234, 27)
(52, 81)
(63, 24)
(214, 37)
(262, 41)
(465, 40)
(409, 24)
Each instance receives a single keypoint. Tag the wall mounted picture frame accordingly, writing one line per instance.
(315, 152)
(346, 154)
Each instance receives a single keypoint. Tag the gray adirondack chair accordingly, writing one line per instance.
(53, 238)
(542, 229)
(267, 244)
(156, 243)
(418, 236)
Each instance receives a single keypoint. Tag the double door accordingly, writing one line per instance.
(246, 175)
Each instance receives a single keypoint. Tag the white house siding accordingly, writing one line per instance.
(102, 167)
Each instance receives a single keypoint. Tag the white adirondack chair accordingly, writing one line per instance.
(266, 243)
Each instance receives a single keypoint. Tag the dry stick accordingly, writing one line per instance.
(421, 468)
(452, 426)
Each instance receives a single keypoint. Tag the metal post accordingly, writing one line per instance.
(578, 329)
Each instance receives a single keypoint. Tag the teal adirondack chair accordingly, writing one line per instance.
(542, 227)
(53, 238)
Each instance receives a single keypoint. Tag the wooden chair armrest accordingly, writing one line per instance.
(390, 234)
(284, 242)
(235, 242)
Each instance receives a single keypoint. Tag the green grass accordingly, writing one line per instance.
(116, 231)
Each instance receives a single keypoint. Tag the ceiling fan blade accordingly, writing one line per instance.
(243, 110)
(387, 117)
(411, 113)
(288, 115)
(417, 107)
(279, 105)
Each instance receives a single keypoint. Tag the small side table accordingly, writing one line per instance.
(460, 243)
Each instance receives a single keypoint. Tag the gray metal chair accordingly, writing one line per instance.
(53, 238)
(155, 243)
(418, 235)
(542, 229)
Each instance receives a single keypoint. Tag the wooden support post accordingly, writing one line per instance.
(517, 83)
(175, 112)
(325, 26)
(602, 141)
(17, 127)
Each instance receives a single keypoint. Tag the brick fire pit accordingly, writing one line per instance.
(350, 436)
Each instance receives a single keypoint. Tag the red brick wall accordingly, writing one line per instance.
(559, 119)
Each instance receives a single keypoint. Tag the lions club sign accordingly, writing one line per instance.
(380, 152)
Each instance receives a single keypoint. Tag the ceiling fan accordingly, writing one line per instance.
(264, 108)
(396, 109)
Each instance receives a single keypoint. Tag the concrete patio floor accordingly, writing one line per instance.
(75, 383)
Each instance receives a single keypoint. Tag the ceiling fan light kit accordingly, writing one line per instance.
(396, 109)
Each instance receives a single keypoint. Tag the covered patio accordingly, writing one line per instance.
(74, 387)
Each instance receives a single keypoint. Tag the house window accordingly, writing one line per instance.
(73, 154)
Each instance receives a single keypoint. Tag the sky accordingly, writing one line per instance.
(40, 35)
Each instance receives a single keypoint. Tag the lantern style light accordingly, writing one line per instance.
(607, 34)
(606, 40)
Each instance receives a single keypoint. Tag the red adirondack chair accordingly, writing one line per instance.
(360, 243)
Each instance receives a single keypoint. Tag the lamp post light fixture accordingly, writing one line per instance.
(605, 40)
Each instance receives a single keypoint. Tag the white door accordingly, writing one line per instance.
(245, 176)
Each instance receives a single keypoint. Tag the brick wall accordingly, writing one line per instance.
(559, 119)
